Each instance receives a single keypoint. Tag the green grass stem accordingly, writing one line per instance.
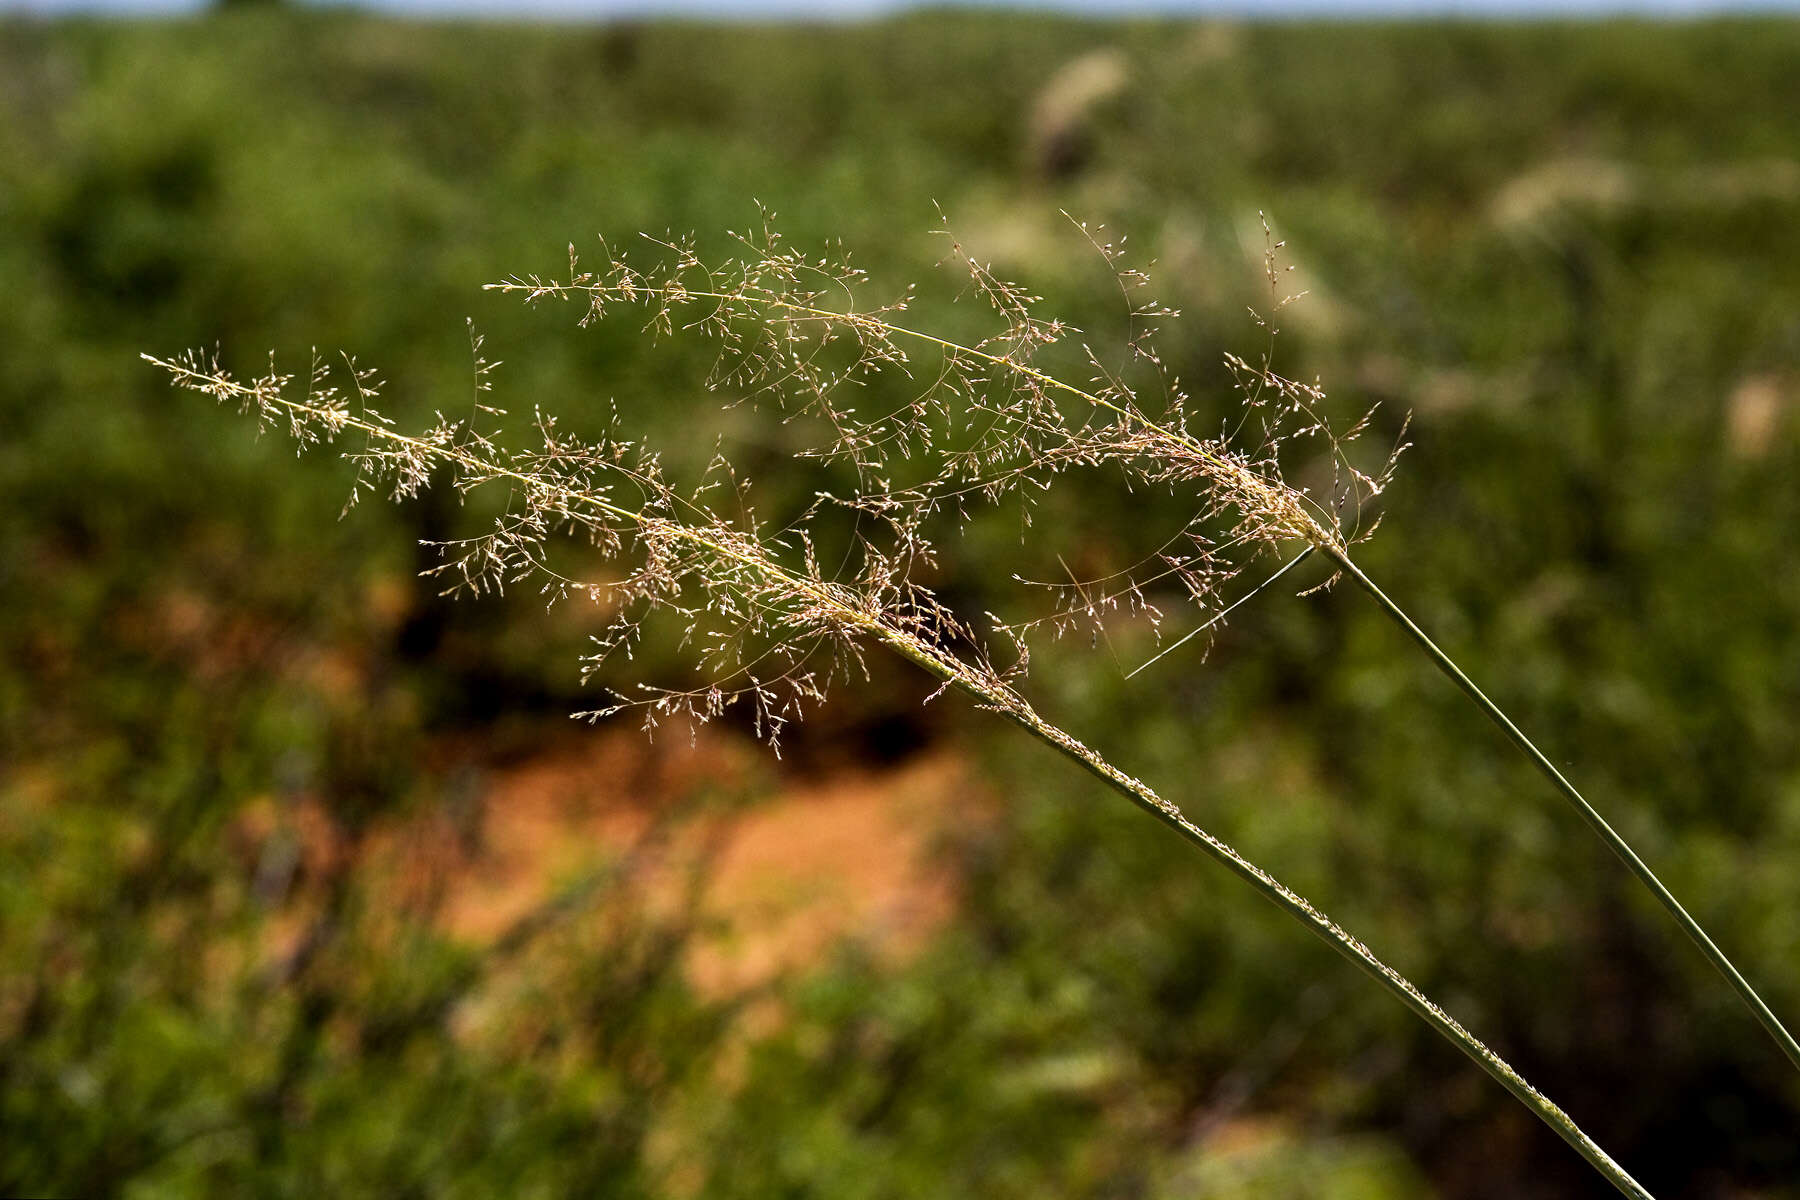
(1595, 821)
(1300, 909)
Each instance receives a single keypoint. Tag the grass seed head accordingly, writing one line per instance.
(981, 421)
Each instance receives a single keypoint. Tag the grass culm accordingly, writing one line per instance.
(978, 422)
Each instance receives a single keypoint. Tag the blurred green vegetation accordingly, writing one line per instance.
(1571, 250)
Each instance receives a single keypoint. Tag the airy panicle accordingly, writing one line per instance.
(769, 626)
(986, 419)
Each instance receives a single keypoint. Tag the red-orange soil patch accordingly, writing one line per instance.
(785, 877)
(845, 858)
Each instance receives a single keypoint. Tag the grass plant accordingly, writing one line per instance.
(979, 423)
(200, 669)
(570, 486)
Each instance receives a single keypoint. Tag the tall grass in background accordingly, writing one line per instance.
(777, 612)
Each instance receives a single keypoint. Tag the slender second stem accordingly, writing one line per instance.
(1595, 821)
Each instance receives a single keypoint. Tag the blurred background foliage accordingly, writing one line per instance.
(256, 776)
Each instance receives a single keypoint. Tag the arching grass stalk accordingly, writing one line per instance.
(575, 487)
(778, 316)
(1324, 538)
